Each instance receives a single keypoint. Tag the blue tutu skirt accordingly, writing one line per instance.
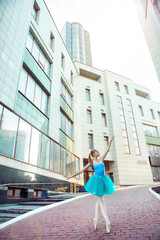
(100, 185)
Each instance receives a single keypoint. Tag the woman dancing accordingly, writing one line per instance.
(99, 184)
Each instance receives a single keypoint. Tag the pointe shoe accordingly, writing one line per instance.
(108, 227)
(95, 223)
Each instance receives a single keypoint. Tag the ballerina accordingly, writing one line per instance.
(99, 184)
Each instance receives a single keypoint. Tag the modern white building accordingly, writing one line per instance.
(54, 111)
(109, 104)
(77, 41)
(149, 16)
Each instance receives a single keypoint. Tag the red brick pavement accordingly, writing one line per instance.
(134, 214)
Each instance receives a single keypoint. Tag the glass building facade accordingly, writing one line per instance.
(77, 41)
(22, 141)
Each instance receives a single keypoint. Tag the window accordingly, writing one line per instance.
(150, 130)
(62, 61)
(23, 141)
(126, 89)
(37, 193)
(104, 122)
(38, 54)
(141, 111)
(89, 116)
(153, 150)
(52, 41)
(123, 125)
(63, 160)
(35, 149)
(66, 95)
(101, 98)
(117, 86)
(14, 192)
(57, 159)
(66, 125)
(45, 150)
(90, 140)
(88, 96)
(30, 88)
(133, 127)
(20, 140)
(152, 114)
(8, 133)
(35, 11)
(106, 141)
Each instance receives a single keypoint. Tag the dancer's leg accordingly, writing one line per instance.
(103, 208)
(104, 213)
(97, 208)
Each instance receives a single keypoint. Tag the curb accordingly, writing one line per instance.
(154, 193)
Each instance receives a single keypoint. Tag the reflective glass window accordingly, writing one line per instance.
(88, 97)
(70, 129)
(52, 156)
(141, 111)
(90, 139)
(63, 124)
(68, 163)
(30, 88)
(101, 99)
(8, 133)
(47, 68)
(89, 116)
(44, 105)
(117, 86)
(104, 122)
(23, 141)
(126, 89)
(23, 80)
(42, 59)
(35, 148)
(63, 160)
(67, 126)
(77, 165)
(73, 164)
(35, 50)
(45, 154)
(57, 158)
(38, 96)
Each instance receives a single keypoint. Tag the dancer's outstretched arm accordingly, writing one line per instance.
(79, 172)
(106, 152)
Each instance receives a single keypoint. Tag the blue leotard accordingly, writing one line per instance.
(99, 184)
(99, 168)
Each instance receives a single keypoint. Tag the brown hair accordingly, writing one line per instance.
(90, 159)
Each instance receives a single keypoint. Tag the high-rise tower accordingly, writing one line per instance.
(149, 16)
(77, 41)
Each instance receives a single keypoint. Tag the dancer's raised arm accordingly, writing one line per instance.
(106, 152)
(79, 172)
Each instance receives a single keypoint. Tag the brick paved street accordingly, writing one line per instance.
(134, 214)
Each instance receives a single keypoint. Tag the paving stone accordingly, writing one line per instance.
(134, 214)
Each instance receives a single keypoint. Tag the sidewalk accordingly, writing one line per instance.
(134, 214)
